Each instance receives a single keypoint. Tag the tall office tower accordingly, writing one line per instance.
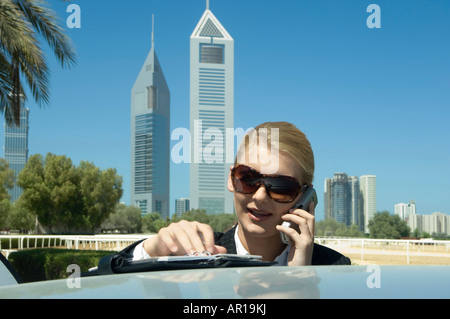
(436, 224)
(150, 138)
(400, 210)
(368, 186)
(211, 112)
(341, 199)
(404, 211)
(327, 198)
(16, 149)
(181, 206)
(354, 217)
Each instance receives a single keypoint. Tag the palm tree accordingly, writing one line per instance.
(21, 58)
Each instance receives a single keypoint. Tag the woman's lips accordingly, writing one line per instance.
(258, 215)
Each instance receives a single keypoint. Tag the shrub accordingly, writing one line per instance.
(48, 264)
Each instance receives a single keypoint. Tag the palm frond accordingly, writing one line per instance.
(37, 75)
(21, 56)
(6, 85)
(44, 20)
(16, 33)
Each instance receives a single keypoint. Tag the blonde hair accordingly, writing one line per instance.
(291, 141)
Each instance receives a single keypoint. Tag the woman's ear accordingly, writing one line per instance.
(230, 184)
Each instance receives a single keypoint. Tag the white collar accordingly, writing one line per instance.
(240, 250)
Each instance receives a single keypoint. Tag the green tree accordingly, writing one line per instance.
(21, 57)
(326, 227)
(5, 214)
(198, 215)
(218, 222)
(20, 218)
(353, 231)
(6, 179)
(35, 195)
(50, 191)
(153, 222)
(425, 235)
(125, 219)
(100, 191)
(330, 227)
(222, 222)
(385, 225)
(66, 198)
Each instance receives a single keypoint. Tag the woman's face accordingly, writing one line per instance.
(258, 214)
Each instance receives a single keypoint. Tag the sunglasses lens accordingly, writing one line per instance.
(282, 189)
(245, 180)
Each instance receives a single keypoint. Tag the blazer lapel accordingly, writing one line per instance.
(227, 240)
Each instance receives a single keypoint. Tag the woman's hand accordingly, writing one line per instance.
(183, 238)
(302, 243)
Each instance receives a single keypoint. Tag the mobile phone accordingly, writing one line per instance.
(303, 203)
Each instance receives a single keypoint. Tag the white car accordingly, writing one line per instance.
(341, 282)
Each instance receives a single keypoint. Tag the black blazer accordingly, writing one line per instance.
(321, 255)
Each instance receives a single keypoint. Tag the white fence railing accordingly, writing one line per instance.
(360, 246)
(94, 242)
(404, 247)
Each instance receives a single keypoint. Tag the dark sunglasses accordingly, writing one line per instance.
(280, 188)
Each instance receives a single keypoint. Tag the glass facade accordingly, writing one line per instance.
(340, 196)
(212, 205)
(150, 139)
(211, 53)
(150, 169)
(368, 185)
(16, 149)
(181, 206)
(342, 199)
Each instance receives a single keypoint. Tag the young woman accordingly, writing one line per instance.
(273, 167)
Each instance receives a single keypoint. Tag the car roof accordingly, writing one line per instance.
(370, 281)
(8, 275)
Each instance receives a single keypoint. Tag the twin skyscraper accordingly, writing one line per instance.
(211, 104)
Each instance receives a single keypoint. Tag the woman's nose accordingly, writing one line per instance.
(261, 194)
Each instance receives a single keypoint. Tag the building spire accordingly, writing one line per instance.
(207, 4)
(153, 30)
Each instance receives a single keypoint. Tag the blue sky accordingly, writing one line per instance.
(371, 101)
